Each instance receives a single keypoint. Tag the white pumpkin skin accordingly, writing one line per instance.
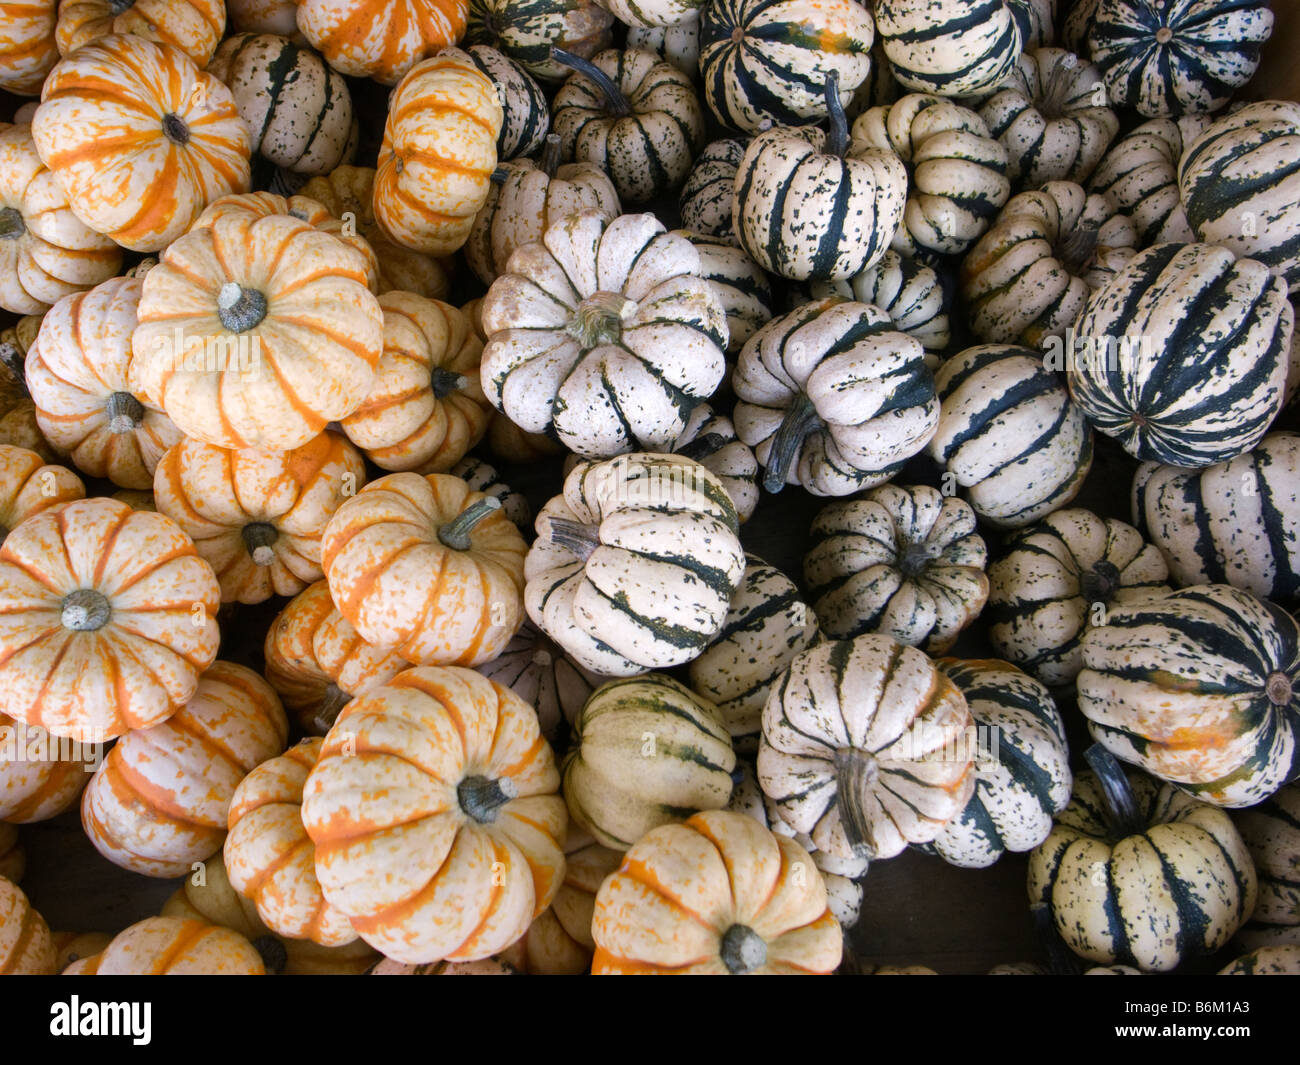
(1270, 832)
(1280, 960)
(935, 46)
(710, 439)
(740, 283)
(527, 118)
(679, 44)
(705, 203)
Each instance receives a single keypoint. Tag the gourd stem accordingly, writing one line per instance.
(914, 558)
(11, 224)
(480, 797)
(1078, 250)
(743, 950)
(125, 413)
(854, 772)
(1118, 804)
(1100, 583)
(258, 537)
(599, 319)
(1052, 105)
(799, 421)
(1061, 960)
(330, 708)
(499, 175)
(118, 6)
(175, 129)
(1280, 689)
(85, 610)
(455, 534)
(615, 101)
(240, 309)
(550, 159)
(12, 360)
(573, 536)
(444, 382)
(703, 446)
(274, 955)
(837, 141)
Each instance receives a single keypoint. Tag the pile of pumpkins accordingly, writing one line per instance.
(928, 262)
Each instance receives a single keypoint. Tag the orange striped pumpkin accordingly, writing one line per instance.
(435, 813)
(28, 486)
(257, 516)
(161, 799)
(45, 784)
(17, 411)
(438, 154)
(140, 139)
(193, 26)
(27, 45)
(381, 39)
(26, 948)
(107, 618)
(427, 567)
(175, 946)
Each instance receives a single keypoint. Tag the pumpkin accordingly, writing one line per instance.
(710, 439)
(438, 153)
(603, 335)
(508, 442)
(159, 801)
(705, 201)
(1183, 355)
(256, 332)
(269, 857)
(527, 31)
(1057, 578)
(380, 39)
(1266, 961)
(766, 626)
(632, 115)
(298, 109)
(1009, 434)
(177, 946)
(1022, 777)
(70, 947)
(846, 209)
(78, 373)
(958, 170)
(766, 61)
(1240, 185)
(1141, 874)
(833, 398)
(1270, 834)
(1236, 522)
(347, 193)
(109, 618)
(530, 198)
(139, 139)
(40, 775)
(1165, 58)
(718, 895)
(948, 47)
(1029, 276)
(25, 945)
(526, 118)
(27, 45)
(46, 252)
(739, 282)
(263, 16)
(1200, 687)
(903, 561)
(485, 967)
(862, 747)
(18, 425)
(482, 477)
(1139, 173)
(635, 563)
(192, 26)
(1077, 22)
(427, 567)
(465, 849)
(28, 486)
(13, 860)
(678, 43)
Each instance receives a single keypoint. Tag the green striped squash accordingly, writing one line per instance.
(1009, 435)
(768, 61)
(1022, 768)
(740, 284)
(1236, 522)
(482, 477)
(1141, 874)
(1077, 23)
(1266, 961)
(1240, 185)
(646, 752)
(679, 44)
(645, 14)
(1057, 578)
(710, 439)
(1200, 687)
(527, 119)
(527, 30)
(954, 48)
(1167, 57)
(705, 203)
(1183, 355)
(1272, 834)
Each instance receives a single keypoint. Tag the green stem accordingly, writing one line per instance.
(743, 950)
(573, 536)
(330, 708)
(1061, 960)
(258, 539)
(480, 797)
(702, 447)
(1101, 582)
(444, 382)
(615, 101)
(800, 420)
(550, 159)
(837, 141)
(855, 771)
(1118, 804)
(455, 534)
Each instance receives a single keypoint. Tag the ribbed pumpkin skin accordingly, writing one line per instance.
(18, 426)
(109, 149)
(298, 109)
(873, 702)
(1240, 185)
(193, 26)
(1010, 435)
(705, 201)
(767, 61)
(1023, 782)
(317, 346)
(646, 751)
(25, 945)
(526, 116)
(903, 561)
(527, 30)
(678, 43)
(160, 800)
(143, 663)
(263, 16)
(710, 439)
(382, 545)
(951, 47)
(79, 362)
(46, 252)
(1266, 961)
(27, 45)
(482, 477)
(422, 875)
(70, 947)
(28, 486)
(679, 892)
(740, 283)
(45, 786)
(438, 153)
(1185, 687)
(1164, 57)
(175, 946)
(1271, 831)
(1179, 888)
(1218, 331)
(1057, 578)
(380, 39)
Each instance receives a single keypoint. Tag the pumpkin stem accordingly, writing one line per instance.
(837, 140)
(615, 102)
(258, 537)
(274, 955)
(1119, 805)
(12, 360)
(239, 308)
(125, 413)
(1100, 583)
(542, 658)
(330, 708)
(854, 772)
(1052, 104)
(914, 558)
(703, 446)
(85, 610)
(573, 536)
(550, 159)
(1061, 960)
(1280, 689)
(800, 420)
(499, 175)
(743, 950)
(1079, 248)
(11, 224)
(455, 534)
(599, 319)
(480, 796)
(175, 129)
(444, 382)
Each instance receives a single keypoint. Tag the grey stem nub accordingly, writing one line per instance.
(11, 224)
(259, 536)
(175, 129)
(480, 797)
(125, 413)
(837, 140)
(574, 536)
(85, 610)
(743, 950)
(800, 420)
(455, 534)
(445, 382)
(240, 309)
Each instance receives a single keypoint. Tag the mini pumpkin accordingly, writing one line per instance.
(177, 946)
(25, 945)
(28, 486)
(193, 26)
(705, 201)
(40, 775)
(380, 39)
(528, 32)
(945, 46)
(710, 439)
(1270, 834)
(27, 45)
(678, 43)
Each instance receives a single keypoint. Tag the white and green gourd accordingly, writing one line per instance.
(527, 31)
(1271, 830)
(705, 203)
(951, 47)
(527, 117)
(679, 44)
